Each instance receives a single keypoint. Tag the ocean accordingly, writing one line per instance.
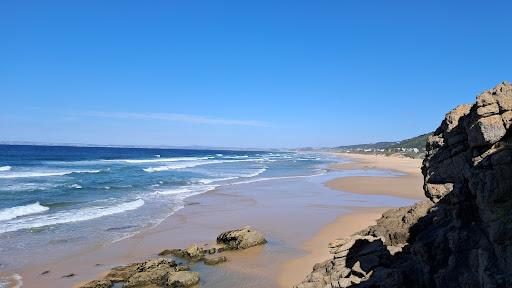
(55, 197)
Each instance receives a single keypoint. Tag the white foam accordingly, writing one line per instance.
(18, 211)
(27, 186)
(184, 165)
(255, 173)
(70, 216)
(43, 174)
(187, 191)
(12, 281)
(173, 191)
(208, 181)
(237, 157)
(75, 186)
(278, 178)
(159, 159)
(5, 168)
(180, 166)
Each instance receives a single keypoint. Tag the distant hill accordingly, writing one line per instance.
(415, 142)
(378, 145)
(412, 147)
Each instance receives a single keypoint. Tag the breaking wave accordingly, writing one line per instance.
(5, 168)
(83, 214)
(18, 211)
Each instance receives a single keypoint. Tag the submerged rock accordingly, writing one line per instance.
(215, 260)
(182, 268)
(241, 238)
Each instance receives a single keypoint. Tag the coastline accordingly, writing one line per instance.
(407, 185)
(305, 200)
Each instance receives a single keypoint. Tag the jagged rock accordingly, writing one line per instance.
(161, 263)
(182, 268)
(215, 260)
(394, 224)
(122, 273)
(241, 238)
(181, 253)
(157, 276)
(165, 252)
(182, 279)
(486, 131)
(461, 237)
(195, 252)
(97, 284)
(145, 274)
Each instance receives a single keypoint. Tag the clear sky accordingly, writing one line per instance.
(244, 73)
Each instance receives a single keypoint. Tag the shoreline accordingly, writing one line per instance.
(306, 200)
(294, 271)
(409, 185)
(406, 186)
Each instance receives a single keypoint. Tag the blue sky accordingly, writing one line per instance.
(244, 73)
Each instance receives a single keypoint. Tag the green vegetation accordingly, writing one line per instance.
(413, 147)
(415, 142)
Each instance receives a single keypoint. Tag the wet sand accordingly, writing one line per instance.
(295, 270)
(274, 207)
(408, 186)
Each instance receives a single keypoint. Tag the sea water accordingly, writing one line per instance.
(54, 197)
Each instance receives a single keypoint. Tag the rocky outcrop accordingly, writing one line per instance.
(241, 238)
(163, 272)
(152, 273)
(215, 260)
(461, 236)
(182, 279)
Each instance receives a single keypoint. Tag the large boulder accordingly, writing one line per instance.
(241, 238)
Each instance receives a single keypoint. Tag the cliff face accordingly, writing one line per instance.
(462, 235)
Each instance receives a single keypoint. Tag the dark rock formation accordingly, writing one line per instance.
(152, 273)
(241, 238)
(182, 279)
(98, 284)
(460, 237)
(193, 252)
(166, 273)
(215, 260)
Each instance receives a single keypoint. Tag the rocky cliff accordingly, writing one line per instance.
(461, 236)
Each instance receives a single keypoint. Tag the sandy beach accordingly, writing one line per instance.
(410, 185)
(406, 186)
(272, 207)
